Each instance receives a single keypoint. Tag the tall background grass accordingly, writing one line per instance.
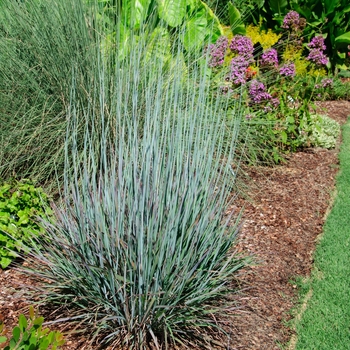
(41, 43)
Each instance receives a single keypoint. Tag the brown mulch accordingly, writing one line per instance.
(280, 227)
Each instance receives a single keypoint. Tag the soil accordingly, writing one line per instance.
(281, 224)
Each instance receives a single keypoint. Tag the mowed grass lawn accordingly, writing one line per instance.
(325, 324)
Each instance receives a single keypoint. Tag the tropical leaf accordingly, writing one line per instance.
(236, 23)
(344, 38)
(159, 45)
(172, 11)
(134, 12)
(196, 31)
(330, 6)
(278, 6)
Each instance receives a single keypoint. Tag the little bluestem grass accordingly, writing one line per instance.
(142, 249)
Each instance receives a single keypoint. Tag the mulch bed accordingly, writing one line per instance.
(280, 227)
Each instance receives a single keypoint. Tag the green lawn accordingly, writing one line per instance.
(325, 324)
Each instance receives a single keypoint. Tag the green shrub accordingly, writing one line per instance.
(321, 131)
(30, 334)
(142, 251)
(340, 90)
(20, 205)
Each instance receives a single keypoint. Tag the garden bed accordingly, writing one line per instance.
(280, 227)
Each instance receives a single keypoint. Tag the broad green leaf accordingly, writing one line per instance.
(278, 6)
(2, 339)
(22, 322)
(16, 333)
(196, 31)
(344, 38)
(38, 321)
(172, 11)
(33, 339)
(159, 45)
(134, 12)
(140, 11)
(51, 337)
(236, 23)
(4, 262)
(13, 343)
(330, 6)
(44, 343)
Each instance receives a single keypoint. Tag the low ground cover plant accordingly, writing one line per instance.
(29, 334)
(21, 205)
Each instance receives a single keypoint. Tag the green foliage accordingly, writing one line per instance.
(20, 205)
(266, 13)
(236, 20)
(196, 20)
(320, 131)
(340, 90)
(331, 18)
(270, 135)
(142, 251)
(30, 334)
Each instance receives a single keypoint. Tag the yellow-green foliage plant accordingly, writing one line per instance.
(266, 38)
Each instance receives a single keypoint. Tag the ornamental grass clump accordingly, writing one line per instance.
(142, 250)
(40, 43)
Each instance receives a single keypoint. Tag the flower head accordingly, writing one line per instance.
(316, 54)
(269, 58)
(239, 66)
(291, 21)
(317, 42)
(217, 52)
(318, 57)
(275, 102)
(288, 70)
(242, 45)
(257, 92)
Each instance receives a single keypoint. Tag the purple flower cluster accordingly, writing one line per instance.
(326, 82)
(239, 65)
(317, 57)
(291, 21)
(217, 52)
(316, 54)
(288, 70)
(269, 58)
(317, 42)
(257, 92)
(275, 102)
(242, 45)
